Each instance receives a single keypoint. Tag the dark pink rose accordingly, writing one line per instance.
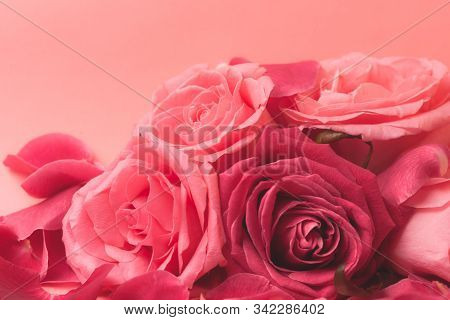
(146, 214)
(294, 212)
(419, 182)
(32, 255)
(207, 112)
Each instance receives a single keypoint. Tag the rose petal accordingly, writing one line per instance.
(46, 149)
(411, 289)
(158, 285)
(19, 283)
(46, 215)
(411, 171)
(421, 245)
(246, 286)
(58, 175)
(91, 289)
(293, 78)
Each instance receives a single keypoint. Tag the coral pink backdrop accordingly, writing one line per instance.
(46, 87)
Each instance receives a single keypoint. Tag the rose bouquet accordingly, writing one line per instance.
(311, 180)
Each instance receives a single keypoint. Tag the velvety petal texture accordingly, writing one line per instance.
(294, 212)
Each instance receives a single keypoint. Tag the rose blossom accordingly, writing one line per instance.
(419, 181)
(392, 101)
(146, 214)
(379, 99)
(208, 112)
(294, 212)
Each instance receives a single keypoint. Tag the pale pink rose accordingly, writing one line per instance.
(208, 112)
(419, 181)
(146, 214)
(394, 102)
(380, 99)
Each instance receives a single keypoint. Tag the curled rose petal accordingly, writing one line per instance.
(246, 286)
(58, 175)
(46, 149)
(157, 285)
(411, 171)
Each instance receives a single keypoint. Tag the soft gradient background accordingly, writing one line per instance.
(45, 87)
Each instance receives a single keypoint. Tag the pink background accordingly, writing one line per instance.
(44, 87)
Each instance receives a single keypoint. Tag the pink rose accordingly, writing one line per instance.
(146, 214)
(392, 101)
(207, 112)
(419, 181)
(294, 212)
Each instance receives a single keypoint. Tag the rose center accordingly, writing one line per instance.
(303, 241)
(197, 113)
